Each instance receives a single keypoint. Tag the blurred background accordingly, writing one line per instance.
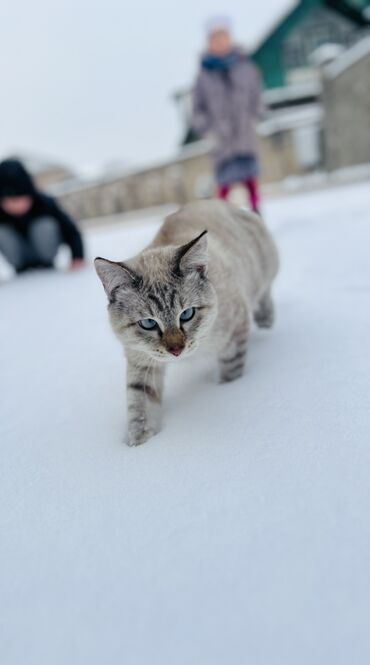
(240, 534)
(96, 99)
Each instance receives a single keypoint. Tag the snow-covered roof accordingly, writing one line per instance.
(349, 58)
(292, 92)
(325, 54)
(291, 118)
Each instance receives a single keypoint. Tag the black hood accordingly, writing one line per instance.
(15, 180)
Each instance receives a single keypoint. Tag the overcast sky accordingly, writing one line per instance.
(88, 83)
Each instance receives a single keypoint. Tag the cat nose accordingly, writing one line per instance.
(173, 341)
(176, 350)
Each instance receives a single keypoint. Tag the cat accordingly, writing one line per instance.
(207, 272)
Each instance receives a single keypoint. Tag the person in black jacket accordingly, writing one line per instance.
(32, 225)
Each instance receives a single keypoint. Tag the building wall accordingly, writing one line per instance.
(346, 100)
(179, 181)
(278, 156)
(51, 176)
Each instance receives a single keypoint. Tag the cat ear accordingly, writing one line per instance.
(114, 275)
(193, 255)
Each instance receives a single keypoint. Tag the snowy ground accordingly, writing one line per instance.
(239, 535)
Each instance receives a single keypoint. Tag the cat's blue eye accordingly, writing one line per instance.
(187, 314)
(148, 324)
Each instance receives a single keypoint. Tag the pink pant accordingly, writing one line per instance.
(251, 187)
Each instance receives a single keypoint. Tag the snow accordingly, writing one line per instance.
(302, 116)
(291, 92)
(349, 58)
(241, 533)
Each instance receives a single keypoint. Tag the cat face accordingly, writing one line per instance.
(161, 303)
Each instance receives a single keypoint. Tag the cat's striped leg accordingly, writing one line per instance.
(144, 399)
(232, 360)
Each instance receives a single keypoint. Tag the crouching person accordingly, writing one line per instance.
(32, 225)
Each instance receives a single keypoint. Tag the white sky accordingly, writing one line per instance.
(88, 83)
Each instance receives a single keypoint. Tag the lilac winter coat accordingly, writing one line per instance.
(227, 105)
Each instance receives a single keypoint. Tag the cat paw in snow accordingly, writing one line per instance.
(139, 435)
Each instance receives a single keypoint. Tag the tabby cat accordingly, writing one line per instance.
(190, 289)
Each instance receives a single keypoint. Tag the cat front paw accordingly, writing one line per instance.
(140, 434)
(264, 319)
(227, 377)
